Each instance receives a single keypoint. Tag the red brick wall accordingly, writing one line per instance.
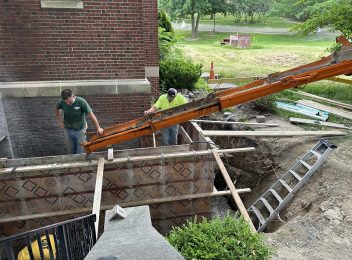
(104, 40)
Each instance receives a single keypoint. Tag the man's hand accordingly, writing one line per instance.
(61, 124)
(100, 131)
(147, 112)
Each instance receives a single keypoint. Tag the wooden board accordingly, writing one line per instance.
(273, 133)
(340, 80)
(334, 102)
(123, 204)
(236, 123)
(316, 122)
(332, 110)
(232, 188)
(97, 193)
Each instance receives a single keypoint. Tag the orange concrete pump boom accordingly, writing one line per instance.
(338, 63)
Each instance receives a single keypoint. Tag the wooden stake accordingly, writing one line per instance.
(233, 190)
(97, 193)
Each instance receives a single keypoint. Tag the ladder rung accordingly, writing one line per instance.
(258, 215)
(305, 164)
(286, 185)
(316, 153)
(277, 196)
(295, 174)
(267, 205)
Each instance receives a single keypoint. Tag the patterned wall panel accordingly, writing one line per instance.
(65, 189)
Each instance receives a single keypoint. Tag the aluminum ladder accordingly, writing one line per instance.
(268, 206)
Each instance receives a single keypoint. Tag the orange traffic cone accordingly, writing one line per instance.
(212, 74)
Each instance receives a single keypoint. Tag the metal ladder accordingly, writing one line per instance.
(268, 206)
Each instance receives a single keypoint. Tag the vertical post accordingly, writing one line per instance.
(97, 192)
(154, 141)
(233, 190)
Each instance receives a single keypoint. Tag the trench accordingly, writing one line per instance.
(257, 170)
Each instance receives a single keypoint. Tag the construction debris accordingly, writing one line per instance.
(317, 122)
(332, 110)
(303, 110)
(260, 119)
(334, 102)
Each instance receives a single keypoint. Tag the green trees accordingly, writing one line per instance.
(334, 13)
(176, 71)
(194, 8)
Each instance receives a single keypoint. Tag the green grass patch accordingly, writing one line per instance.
(267, 54)
(225, 238)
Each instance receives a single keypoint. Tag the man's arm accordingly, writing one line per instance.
(151, 110)
(59, 118)
(100, 130)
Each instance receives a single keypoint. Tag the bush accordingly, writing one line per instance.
(177, 71)
(221, 238)
(165, 22)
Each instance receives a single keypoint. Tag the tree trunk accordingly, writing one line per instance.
(197, 25)
(194, 33)
(211, 16)
(214, 23)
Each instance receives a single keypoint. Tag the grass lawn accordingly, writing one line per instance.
(268, 54)
(272, 22)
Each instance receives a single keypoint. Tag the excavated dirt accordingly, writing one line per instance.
(318, 221)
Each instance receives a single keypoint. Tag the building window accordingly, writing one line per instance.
(70, 4)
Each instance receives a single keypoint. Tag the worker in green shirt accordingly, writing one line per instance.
(74, 110)
(166, 101)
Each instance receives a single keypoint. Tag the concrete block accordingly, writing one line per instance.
(260, 119)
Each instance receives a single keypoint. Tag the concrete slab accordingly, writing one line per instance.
(132, 238)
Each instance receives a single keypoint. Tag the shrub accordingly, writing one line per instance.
(221, 238)
(165, 22)
(177, 71)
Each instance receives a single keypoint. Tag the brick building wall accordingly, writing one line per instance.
(104, 40)
(113, 39)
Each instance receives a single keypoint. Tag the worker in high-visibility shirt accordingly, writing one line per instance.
(166, 101)
(24, 253)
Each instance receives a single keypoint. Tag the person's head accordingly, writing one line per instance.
(68, 97)
(171, 94)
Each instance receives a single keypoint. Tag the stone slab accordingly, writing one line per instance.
(79, 87)
(132, 238)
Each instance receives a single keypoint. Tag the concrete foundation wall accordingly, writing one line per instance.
(53, 190)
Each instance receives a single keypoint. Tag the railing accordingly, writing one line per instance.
(68, 240)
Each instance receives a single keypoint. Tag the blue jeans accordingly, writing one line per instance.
(169, 135)
(77, 138)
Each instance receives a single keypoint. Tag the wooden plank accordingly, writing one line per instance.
(123, 204)
(97, 193)
(236, 123)
(316, 122)
(334, 102)
(273, 133)
(233, 80)
(232, 188)
(340, 80)
(23, 169)
(332, 110)
(185, 135)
